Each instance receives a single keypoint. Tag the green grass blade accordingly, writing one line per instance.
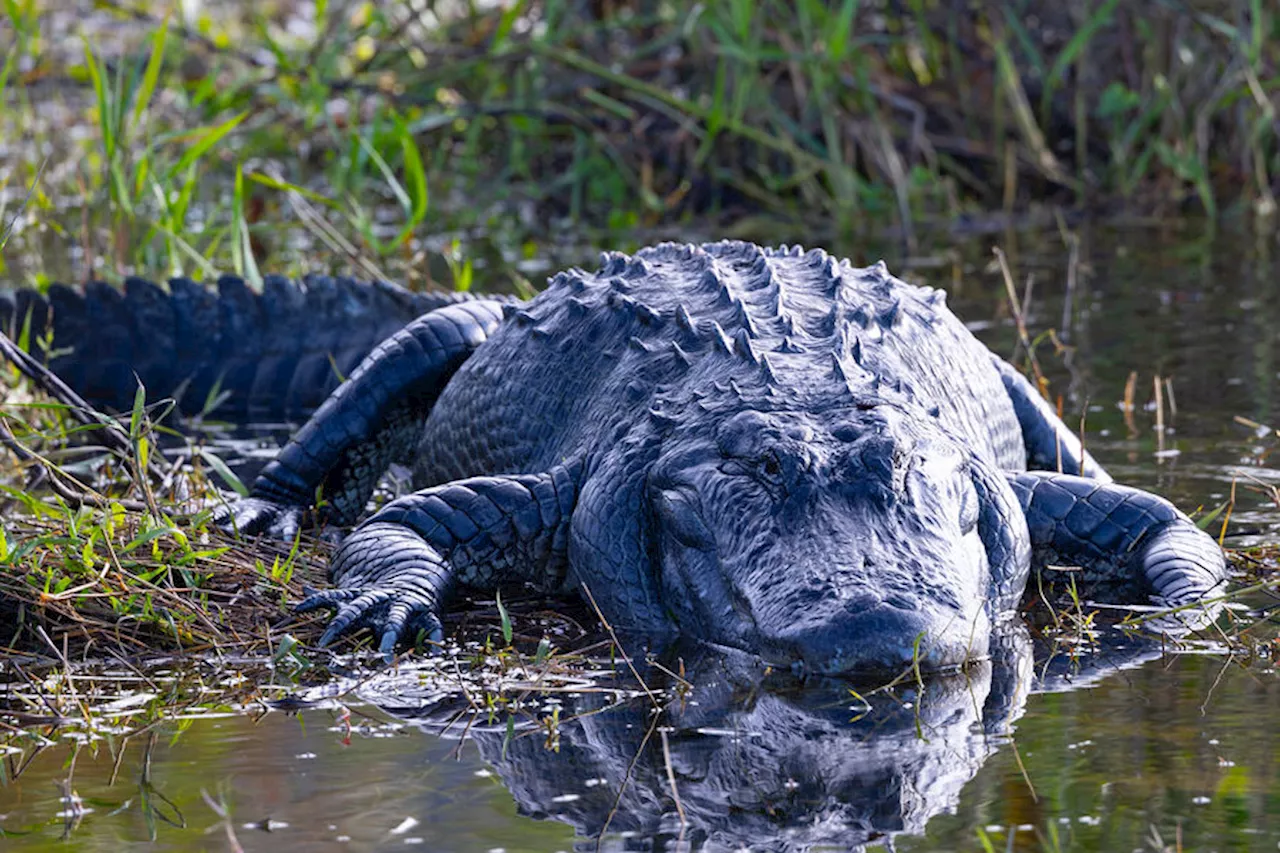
(505, 23)
(242, 246)
(507, 632)
(101, 99)
(414, 173)
(224, 472)
(206, 140)
(389, 175)
(1078, 42)
(138, 413)
(285, 186)
(152, 75)
(838, 41)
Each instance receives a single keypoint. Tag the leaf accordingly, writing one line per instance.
(510, 734)
(152, 74)
(539, 657)
(228, 476)
(285, 186)
(505, 23)
(151, 535)
(101, 99)
(1076, 46)
(1205, 520)
(414, 173)
(206, 140)
(397, 189)
(838, 42)
(1116, 100)
(242, 247)
(139, 410)
(507, 633)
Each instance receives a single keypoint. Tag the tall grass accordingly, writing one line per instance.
(405, 129)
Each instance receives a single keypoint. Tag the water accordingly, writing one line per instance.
(1159, 752)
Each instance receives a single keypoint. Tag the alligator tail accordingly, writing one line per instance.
(258, 356)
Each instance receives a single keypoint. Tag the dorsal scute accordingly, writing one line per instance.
(612, 263)
(781, 323)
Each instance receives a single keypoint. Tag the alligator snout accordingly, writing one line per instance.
(884, 640)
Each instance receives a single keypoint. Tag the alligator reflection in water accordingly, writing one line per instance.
(766, 766)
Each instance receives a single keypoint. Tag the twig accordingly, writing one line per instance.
(626, 780)
(1015, 306)
(671, 777)
(219, 807)
(625, 657)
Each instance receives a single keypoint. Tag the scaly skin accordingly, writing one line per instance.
(277, 354)
(768, 450)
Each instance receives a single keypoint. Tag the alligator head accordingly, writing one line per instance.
(842, 540)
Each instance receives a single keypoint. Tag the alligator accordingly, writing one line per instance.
(768, 450)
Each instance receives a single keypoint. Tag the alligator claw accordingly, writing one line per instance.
(254, 516)
(389, 612)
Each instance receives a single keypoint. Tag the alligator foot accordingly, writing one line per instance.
(390, 581)
(1119, 536)
(254, 516)
(394, 572)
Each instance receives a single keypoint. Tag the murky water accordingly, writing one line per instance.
(1164, 752)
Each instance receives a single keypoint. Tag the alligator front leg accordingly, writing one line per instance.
(1119, 536)
(396, 570)
(371, 420)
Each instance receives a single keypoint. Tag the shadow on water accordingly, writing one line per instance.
(1122, 748)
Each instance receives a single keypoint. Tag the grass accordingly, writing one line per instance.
(378, 135)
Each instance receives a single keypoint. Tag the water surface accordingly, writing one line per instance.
(1176, 752)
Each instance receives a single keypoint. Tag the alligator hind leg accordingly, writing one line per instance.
(395, 570)
(371, 420)
(1050, 445)
(1125, 539)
